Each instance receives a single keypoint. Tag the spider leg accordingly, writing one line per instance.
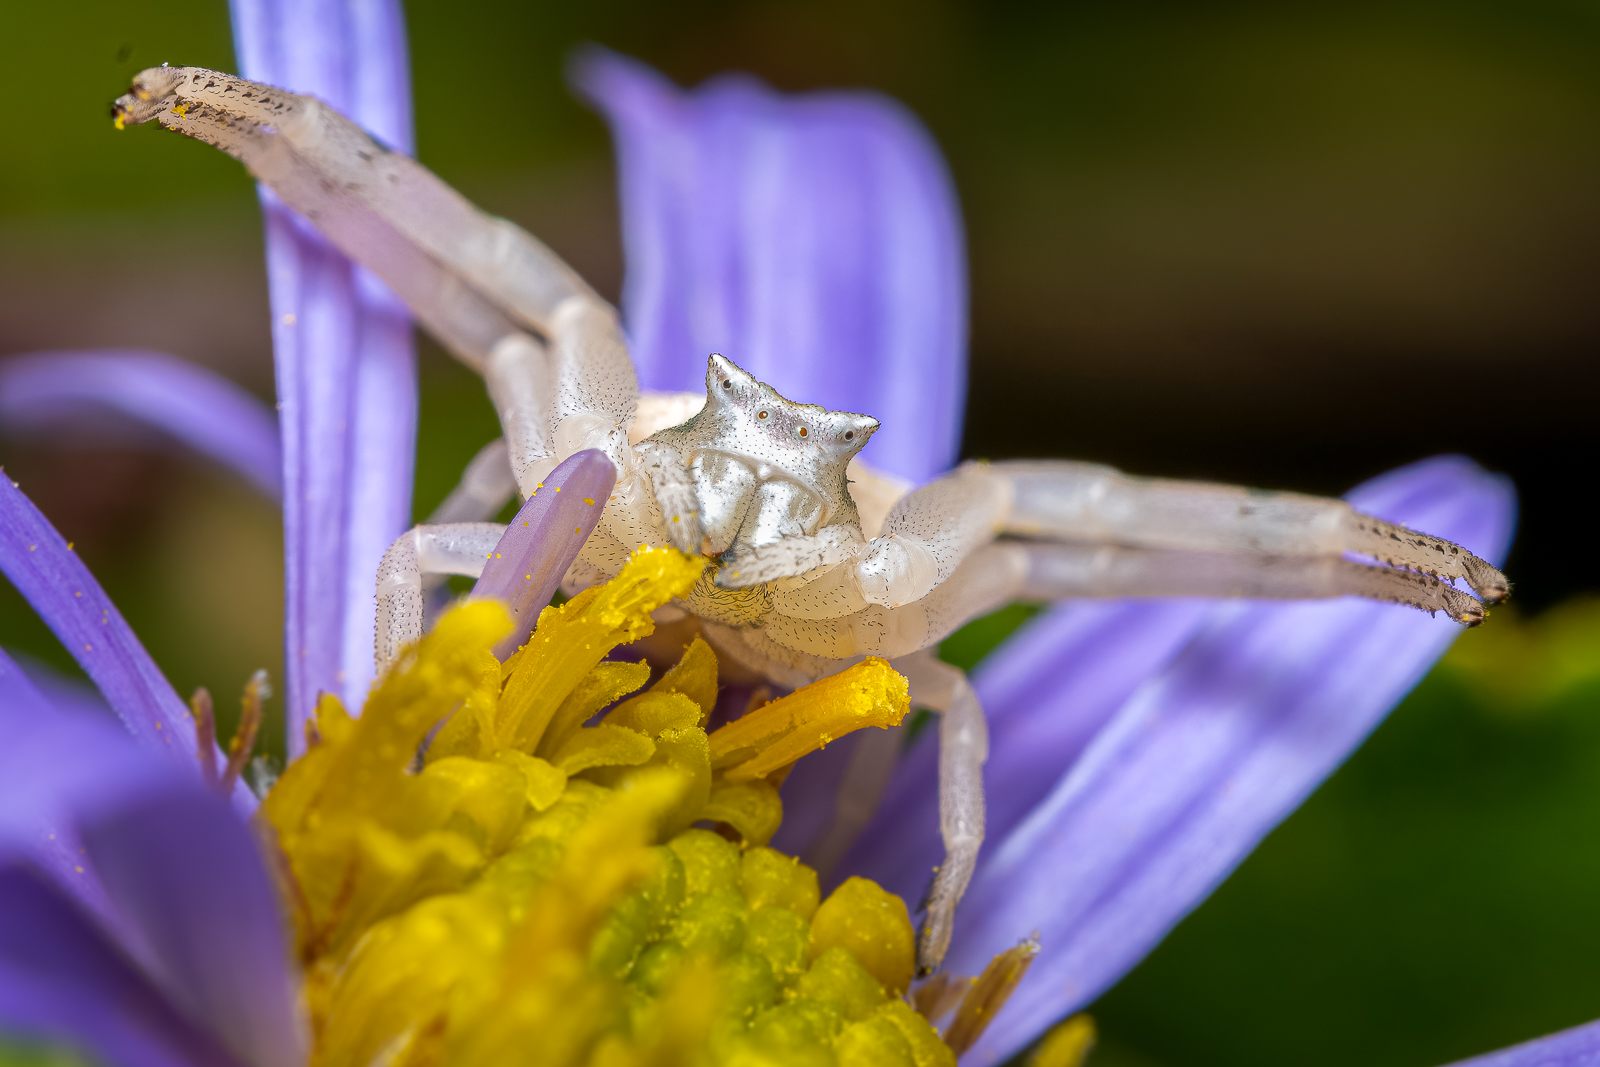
(675, 491)
(1242, 542)
(794, 555)
(1060, 570)
(963, 748)
(486, 486)
(1087, 502)
(454, 548)
(499, 300)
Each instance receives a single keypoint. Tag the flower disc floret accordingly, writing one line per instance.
(548, 887)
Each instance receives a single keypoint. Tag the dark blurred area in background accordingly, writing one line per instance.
(1288, 247)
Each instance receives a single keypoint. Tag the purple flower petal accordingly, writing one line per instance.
(345, 358)
(1047, 691)
(533, 556)
(60, 692)
(1578, 1047)
(180, 867)
(20, 698)
(60, 980)
(199, 408)
(54, 580)
(799, 236)
(53, 763)
(1204, 760)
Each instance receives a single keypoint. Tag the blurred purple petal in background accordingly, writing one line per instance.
(113, 390)
(346, 361)
(815, 240)
(1578, 1047)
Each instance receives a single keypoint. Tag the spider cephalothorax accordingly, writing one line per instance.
(761, 468)
(802, 590)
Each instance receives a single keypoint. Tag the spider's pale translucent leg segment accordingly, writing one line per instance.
(1059, 570)
(929, 532)
(456, 548)
(675, 491)
(594, 394)
(792, 556)
(486, 486)
(337, 176)
(358, 191)
(963, 748)
(517, 374)
(1087, 502)
(482, 286)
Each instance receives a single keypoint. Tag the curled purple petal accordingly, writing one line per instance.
(537, 548)
(195, 406)
(180, 867)
(1577, 1047)
(1204, 760)
(52, 578)
(346, 362)
(815, 240)
(62, 981)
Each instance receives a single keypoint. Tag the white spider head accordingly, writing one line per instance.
(753, 417)
(763, 466)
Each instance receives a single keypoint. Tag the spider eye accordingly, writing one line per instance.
(849, 435)
(761, 414)
(727, 383)
(804, 432)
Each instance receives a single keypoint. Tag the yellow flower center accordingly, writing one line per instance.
(538, 890)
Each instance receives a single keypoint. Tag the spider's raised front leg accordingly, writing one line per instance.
(500, 301)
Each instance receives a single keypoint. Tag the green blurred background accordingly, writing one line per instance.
(1286, 245)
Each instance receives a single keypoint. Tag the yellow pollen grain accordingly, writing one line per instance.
(69, 546)
(78, 869)
(88, 648)
(577, 529)
(589, 500)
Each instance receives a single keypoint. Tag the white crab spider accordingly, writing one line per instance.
(822, 560)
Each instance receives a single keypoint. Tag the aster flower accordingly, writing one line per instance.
(1140, 750)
